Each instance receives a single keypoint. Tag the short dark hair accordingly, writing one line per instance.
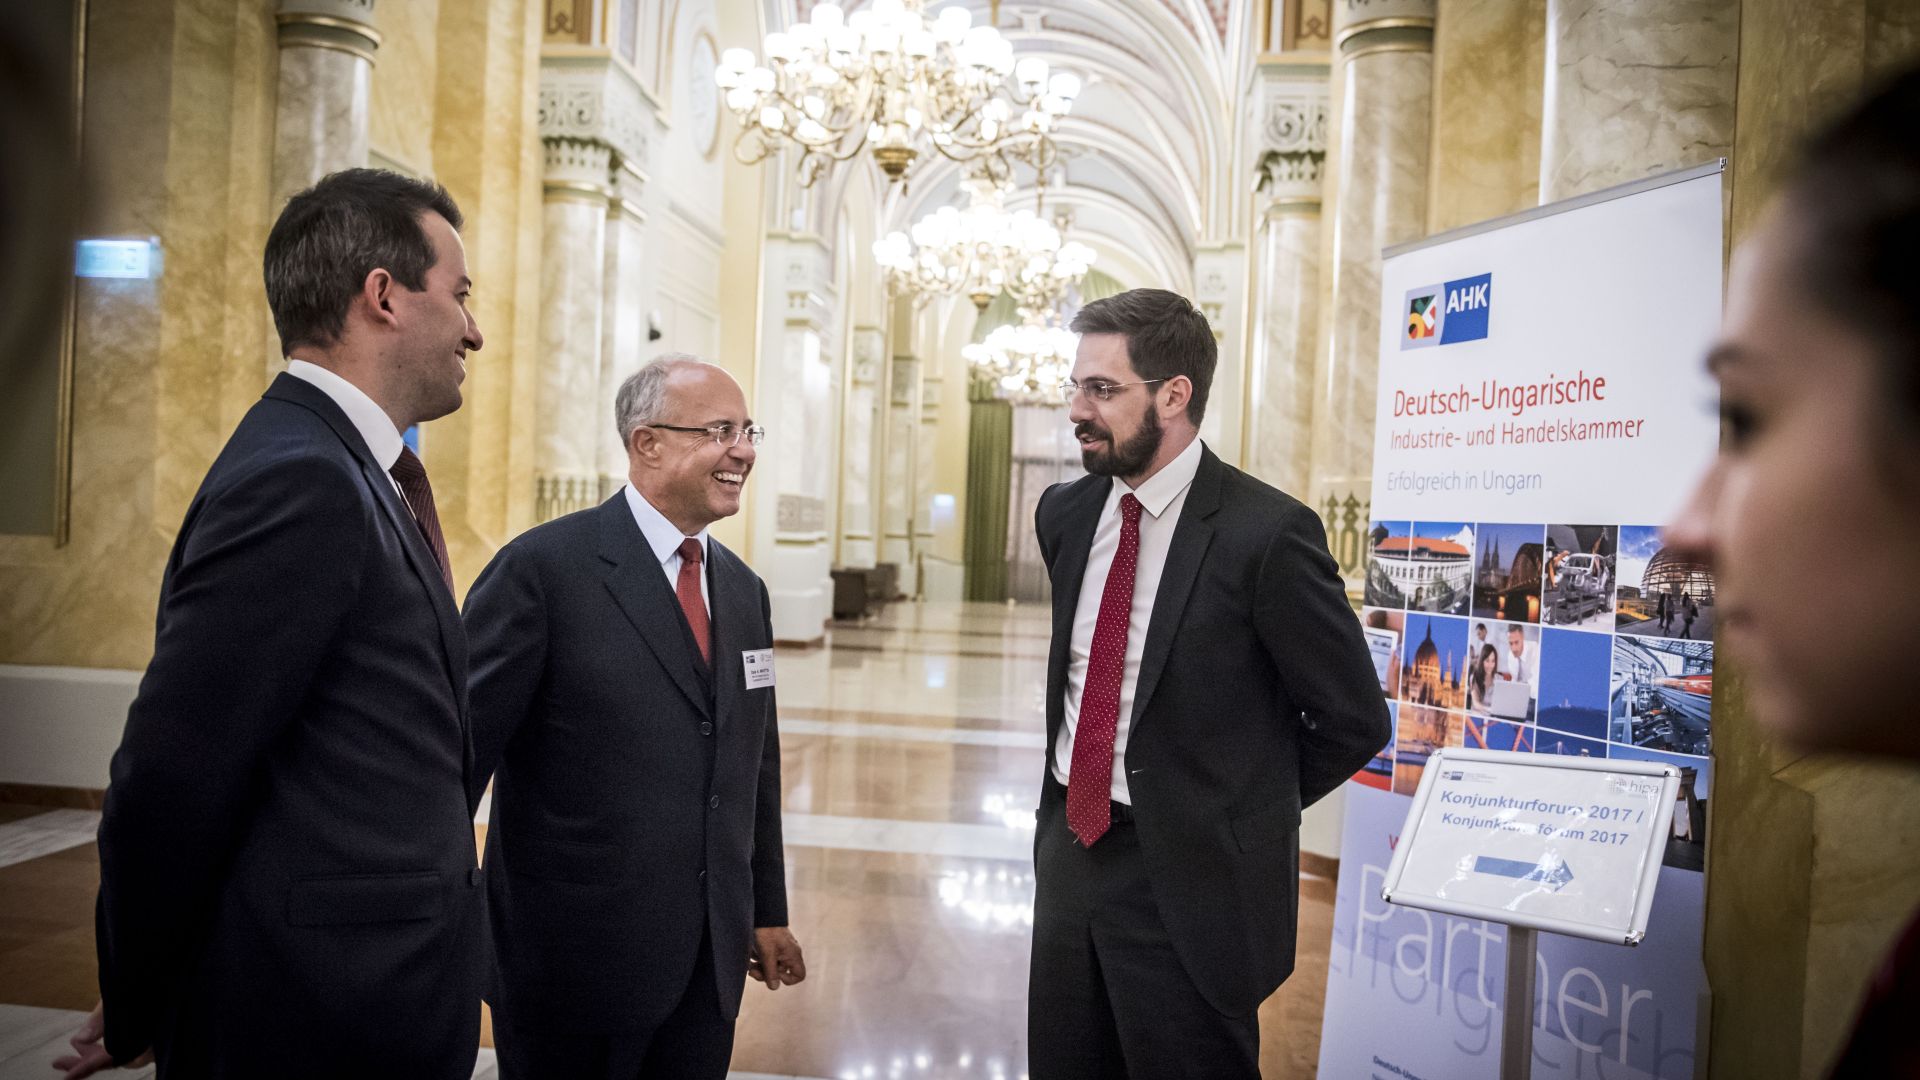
(332, 235)
(1856, 192)
(1166, 336)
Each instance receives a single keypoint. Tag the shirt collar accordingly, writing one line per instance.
(663, 536)
(1163, 487)
(369, 419)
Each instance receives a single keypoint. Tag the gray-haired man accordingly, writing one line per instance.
(623, 684)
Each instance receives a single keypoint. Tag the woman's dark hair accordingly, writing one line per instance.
(1166, 336)
(335, 233)
(1856, 192)
(1478, 672)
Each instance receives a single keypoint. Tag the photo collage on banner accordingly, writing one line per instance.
(1579, 639)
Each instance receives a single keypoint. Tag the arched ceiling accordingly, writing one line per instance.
(1149, 153)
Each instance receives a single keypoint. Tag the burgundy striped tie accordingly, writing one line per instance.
(1090, 779)
(412, 478)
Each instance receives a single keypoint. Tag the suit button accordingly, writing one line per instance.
(703, 875)
(713, 803)
(473, 877)
(706, 727)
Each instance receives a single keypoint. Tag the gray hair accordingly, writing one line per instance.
(643, 396)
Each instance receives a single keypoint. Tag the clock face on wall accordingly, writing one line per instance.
(703, 97)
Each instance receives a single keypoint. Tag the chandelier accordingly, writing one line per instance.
(983, 250)
(1027, 362)
(891, 77)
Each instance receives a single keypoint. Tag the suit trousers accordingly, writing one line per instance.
(1107, 995)
(694, 1042)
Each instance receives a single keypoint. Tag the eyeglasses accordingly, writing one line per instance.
(724, 434)
(1099, 390)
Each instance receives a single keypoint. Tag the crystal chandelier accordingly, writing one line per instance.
(891, 77)
(983, 250)
(1026, 363)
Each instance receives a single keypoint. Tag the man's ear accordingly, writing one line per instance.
(1179, 392)
(376, 292)
(643, 444)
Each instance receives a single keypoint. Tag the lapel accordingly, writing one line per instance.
(453, 637)
(1078, 514)
(737, 622)
(639, 587)
(1190, 539)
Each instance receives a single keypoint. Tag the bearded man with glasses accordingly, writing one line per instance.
(1207, 681)
(623, 687)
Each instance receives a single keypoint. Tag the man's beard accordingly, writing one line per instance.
(1129, 458)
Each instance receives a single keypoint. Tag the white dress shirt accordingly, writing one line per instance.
(1161, 498)
(369, 419)
(1523, 668)
(664, 538)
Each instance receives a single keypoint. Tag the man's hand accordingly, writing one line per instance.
(90, 1050)
(775, 958)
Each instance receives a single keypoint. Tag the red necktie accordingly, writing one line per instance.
(1090, 779)
(412, 478)
(687, 588)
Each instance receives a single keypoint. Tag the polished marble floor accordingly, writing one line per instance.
(912, 747)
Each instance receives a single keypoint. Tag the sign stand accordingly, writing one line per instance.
(1535, 842)
(1516, 1018)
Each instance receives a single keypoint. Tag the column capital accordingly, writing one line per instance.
(1368, 26)
(1291, 135)
(806, 268)
(342, 25)
(577, 168)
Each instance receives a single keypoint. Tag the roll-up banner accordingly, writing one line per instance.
(1543, 409)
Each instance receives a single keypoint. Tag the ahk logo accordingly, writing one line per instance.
(1448, 314)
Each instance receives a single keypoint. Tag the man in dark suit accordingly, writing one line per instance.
(287, 876)
(1207, 681)
(623, 681)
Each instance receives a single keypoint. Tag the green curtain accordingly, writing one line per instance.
(990, 454)
(989, 470)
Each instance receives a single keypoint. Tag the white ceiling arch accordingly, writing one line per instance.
(1154, 128)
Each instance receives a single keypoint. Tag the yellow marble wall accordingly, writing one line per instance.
(1815, 861)
(178, 137)
(1487, 84)
(486, 147)
(400, 121)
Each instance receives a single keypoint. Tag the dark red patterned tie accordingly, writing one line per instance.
(412, 478)
(687, 588)
(1090, 780)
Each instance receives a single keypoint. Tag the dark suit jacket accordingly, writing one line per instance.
(1256, 696)
(287, 878)
(636, 803)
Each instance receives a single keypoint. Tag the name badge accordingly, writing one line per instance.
(759, 665)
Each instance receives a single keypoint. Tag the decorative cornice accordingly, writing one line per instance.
(594, 99)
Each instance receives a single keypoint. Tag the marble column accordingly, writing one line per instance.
(1220, 289)
(321, 104)
(1286, 318)
(859, 520)
(899, 457)
(1383, 66)
(795, 481)
(572, 306)
(1633, 88)
(326, 87)
(623, 339)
